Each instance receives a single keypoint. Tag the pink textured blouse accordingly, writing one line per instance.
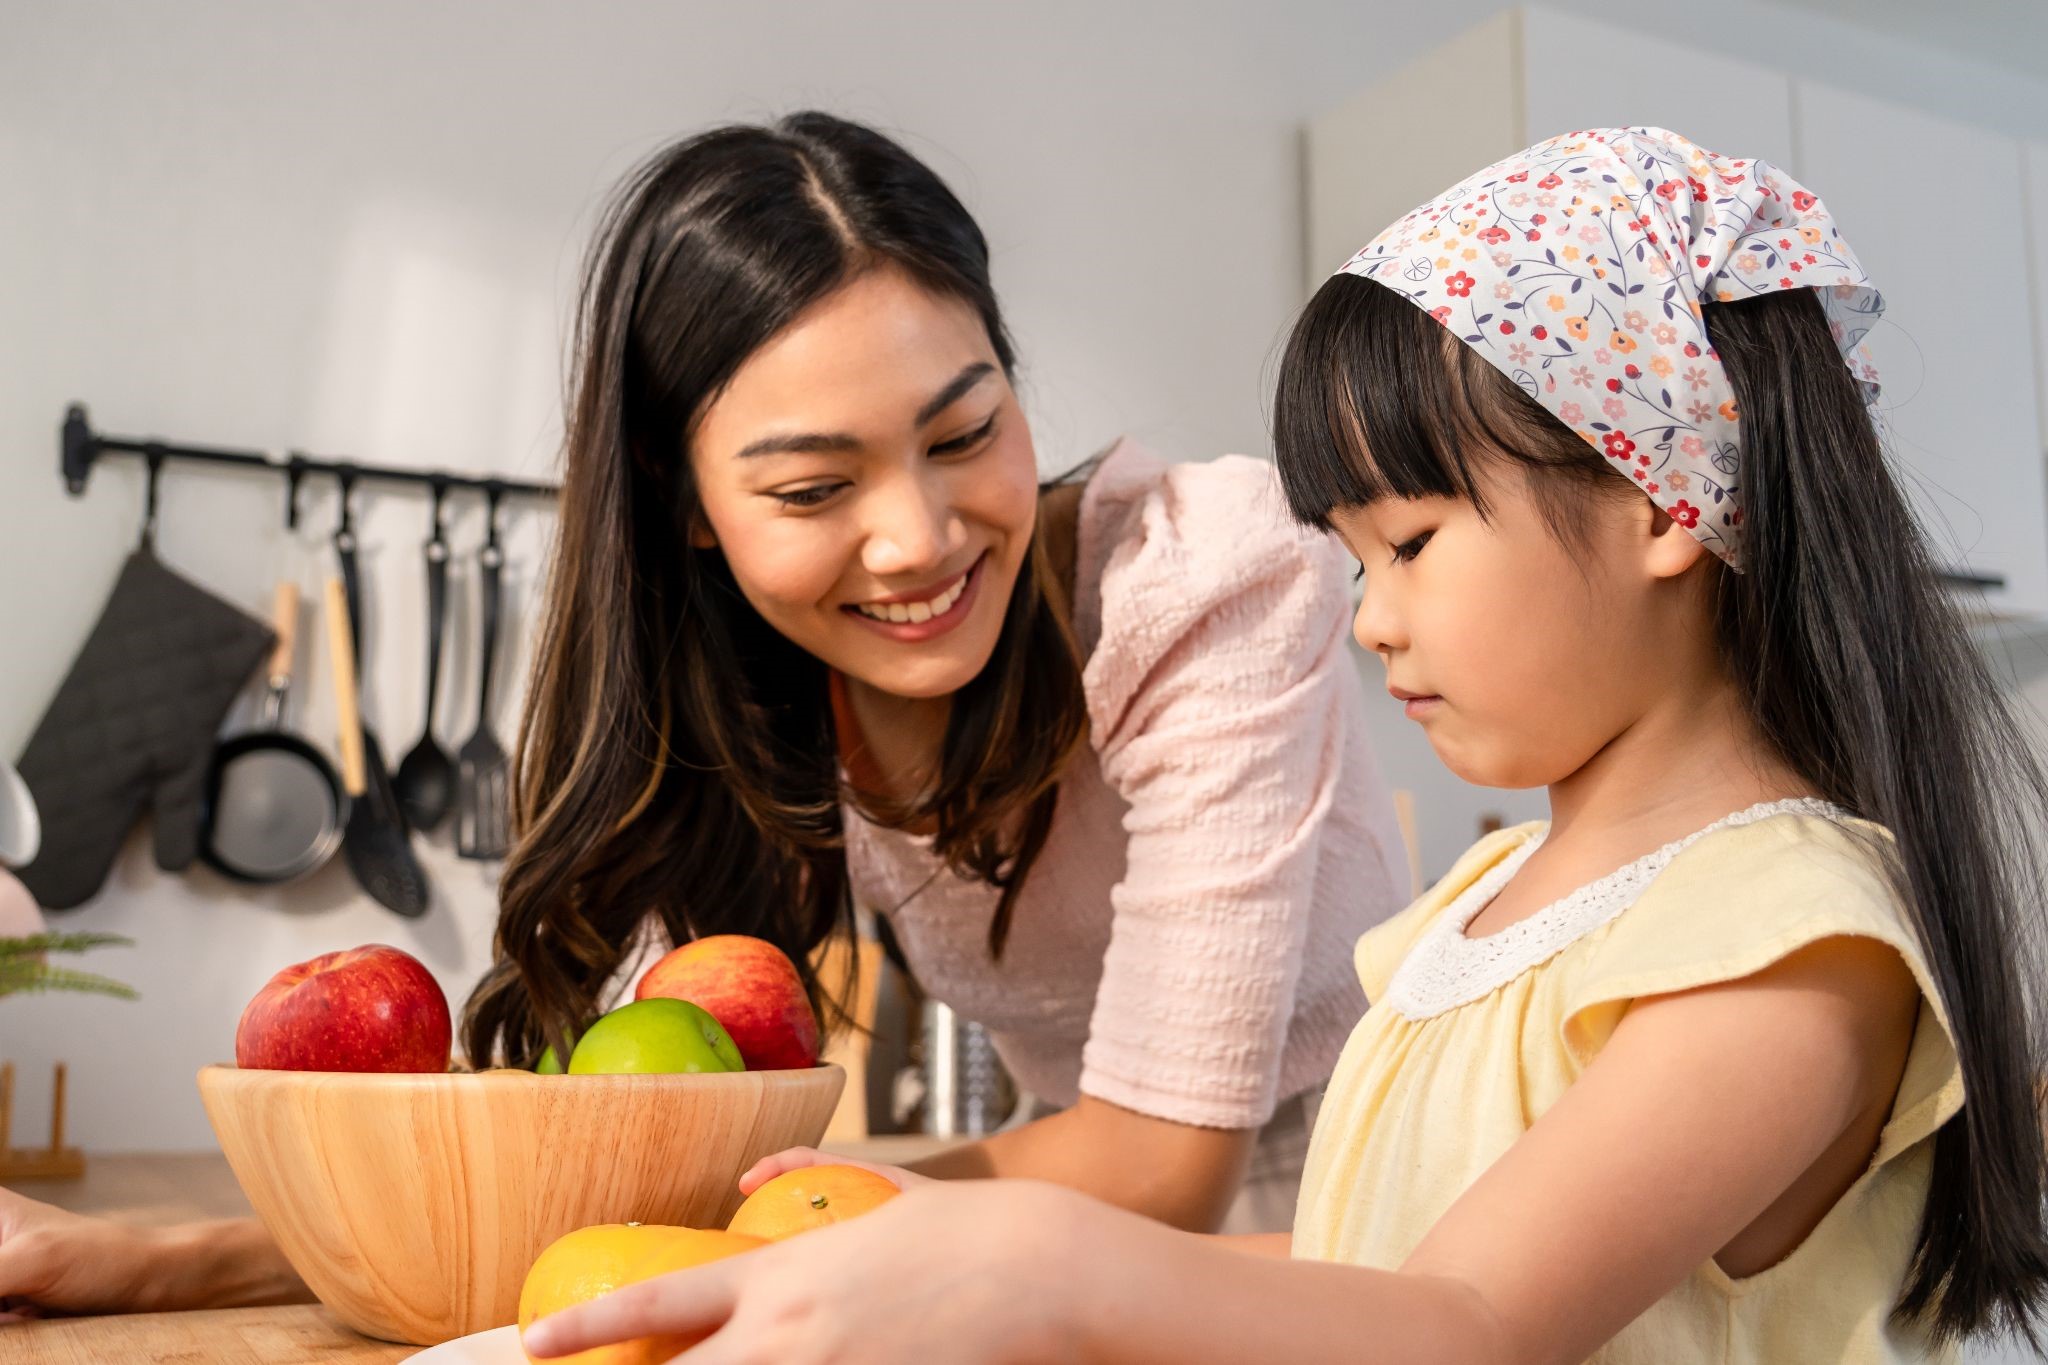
(1182, 946)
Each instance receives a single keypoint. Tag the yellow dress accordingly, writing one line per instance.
(1469, 1041)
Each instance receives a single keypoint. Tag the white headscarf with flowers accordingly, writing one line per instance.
(1578, 267)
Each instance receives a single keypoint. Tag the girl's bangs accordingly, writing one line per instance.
(1373, 402)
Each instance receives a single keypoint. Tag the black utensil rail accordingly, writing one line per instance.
(80, 447)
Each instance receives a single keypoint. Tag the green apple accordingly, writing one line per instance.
(655, 1037)
(549, 1064)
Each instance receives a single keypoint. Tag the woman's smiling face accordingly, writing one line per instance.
(869, 477)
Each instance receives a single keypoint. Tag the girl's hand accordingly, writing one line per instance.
(796, 1158)
(974, 1273)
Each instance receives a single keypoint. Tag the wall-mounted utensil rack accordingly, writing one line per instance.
(81, 447)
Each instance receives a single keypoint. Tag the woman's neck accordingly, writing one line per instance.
(899, 739)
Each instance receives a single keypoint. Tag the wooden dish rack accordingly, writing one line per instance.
(55, 1162)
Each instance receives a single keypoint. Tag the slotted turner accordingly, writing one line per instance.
(483, 808)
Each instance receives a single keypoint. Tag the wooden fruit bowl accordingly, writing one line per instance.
(413, 1204)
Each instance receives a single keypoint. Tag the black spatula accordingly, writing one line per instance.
(375, 845)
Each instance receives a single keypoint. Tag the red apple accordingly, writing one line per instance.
(372, 1008)
(752, 988)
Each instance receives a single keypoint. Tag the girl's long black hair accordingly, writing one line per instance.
(1855, 666)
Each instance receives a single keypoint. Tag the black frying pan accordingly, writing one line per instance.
(274, 807)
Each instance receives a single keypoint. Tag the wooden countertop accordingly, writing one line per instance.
(159, 1189)
(294, 1335)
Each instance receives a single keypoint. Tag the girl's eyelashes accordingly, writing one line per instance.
(1408, 549)
(960, 445)
(1404, 553)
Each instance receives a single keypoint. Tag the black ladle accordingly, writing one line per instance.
(425, 781)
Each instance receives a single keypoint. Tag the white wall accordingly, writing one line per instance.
(350, 229)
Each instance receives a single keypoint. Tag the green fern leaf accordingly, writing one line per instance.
(17, 978)
(30, 945)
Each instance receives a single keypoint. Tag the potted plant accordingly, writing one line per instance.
(25, 965)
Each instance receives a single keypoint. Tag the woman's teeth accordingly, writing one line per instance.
(916, 611)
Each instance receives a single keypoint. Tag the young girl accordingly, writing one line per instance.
(1730, 1061)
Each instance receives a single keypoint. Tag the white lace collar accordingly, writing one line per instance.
(1445, 969)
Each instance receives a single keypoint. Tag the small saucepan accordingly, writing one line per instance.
(274, 807)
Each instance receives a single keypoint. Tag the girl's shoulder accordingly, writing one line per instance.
(1741, 900)
(1748, 888)
(1176, 564)
(1714, 907)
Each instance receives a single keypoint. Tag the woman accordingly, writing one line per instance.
(816, 637)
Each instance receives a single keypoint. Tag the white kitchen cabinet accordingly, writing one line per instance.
(1955, 349)
(1525, 75)
(1729, 106)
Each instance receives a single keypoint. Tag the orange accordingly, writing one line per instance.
(596, 1260)
(811, 1197)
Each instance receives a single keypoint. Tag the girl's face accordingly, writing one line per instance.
(1520, 655)
(870, 480)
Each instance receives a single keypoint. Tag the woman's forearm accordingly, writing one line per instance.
(230, 1263)
(975, 1161)
(1062, 1149)
(1065, 1149)
(1180, 1175)
(968, 1161)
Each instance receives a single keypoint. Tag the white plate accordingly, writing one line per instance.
(499, 1346)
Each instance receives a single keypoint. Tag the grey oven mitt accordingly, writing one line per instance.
(132, 726)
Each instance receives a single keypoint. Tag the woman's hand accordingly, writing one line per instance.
(52, 1261)
(797, 1158)
(981, 1273)
(59, 1262)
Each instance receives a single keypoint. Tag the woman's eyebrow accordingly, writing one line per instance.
(799, 443)
(835, 442)
(955, 391)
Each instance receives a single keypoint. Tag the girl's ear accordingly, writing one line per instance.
(702, 537)
(1668, 548)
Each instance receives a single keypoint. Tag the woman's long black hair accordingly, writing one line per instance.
(677, 758)
(1855, 666)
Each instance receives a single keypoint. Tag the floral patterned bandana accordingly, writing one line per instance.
(1578, 267)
